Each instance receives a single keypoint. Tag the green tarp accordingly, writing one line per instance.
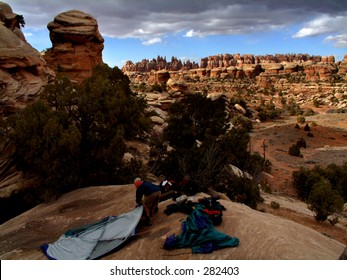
(198, 233)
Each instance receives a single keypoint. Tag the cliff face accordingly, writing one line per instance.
(77, 44)
(23, 72)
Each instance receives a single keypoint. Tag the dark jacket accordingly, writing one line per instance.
(146, 188)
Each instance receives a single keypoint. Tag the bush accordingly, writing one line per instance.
(274, 205)
(324, 201)
(309, 112)
(303, 181)
(301, 119)
(301, 143)
(294, 150)
(307, 127)
(239, 189)
(293, 108)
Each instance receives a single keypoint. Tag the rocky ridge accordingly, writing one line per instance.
(262, 67)
(304, 78)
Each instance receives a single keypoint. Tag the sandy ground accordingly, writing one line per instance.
(328, 145)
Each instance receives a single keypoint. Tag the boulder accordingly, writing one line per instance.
(76, 44)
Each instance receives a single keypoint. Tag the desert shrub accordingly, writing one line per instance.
(309, 112)
(294, 150)
(336, 175)
(255, 163)
(293, 108)
(241, 121)
(323, 200)
(301, 143)
(303, 181)
(301, 119)
(268, 111)
(274, 205)
(238, 189)
(307, 127)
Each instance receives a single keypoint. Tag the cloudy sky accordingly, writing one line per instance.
(192, 29)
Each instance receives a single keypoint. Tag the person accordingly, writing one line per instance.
(188, 186)
(147, 194)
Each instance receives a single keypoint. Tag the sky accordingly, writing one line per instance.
(194, 29)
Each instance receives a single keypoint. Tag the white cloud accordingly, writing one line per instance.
(339, 41)
(323, 24)
(152, 41)
(151, 20)
(192, 33)
(28, 34)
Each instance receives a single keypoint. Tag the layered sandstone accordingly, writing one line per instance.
(283, 72)
(158, 64)
(23, 71)
(77, 44)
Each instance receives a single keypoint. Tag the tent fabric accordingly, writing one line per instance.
(198, 233)
(94, 240)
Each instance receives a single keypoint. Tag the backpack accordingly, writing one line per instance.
(213, 209)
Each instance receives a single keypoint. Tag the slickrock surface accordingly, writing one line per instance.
(261, 235)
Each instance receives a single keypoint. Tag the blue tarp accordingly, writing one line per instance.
(94, 240)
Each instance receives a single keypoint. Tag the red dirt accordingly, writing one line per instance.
(328, 145)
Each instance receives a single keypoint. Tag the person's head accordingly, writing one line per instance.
(137, 182)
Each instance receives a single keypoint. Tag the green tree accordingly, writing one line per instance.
(202, 147)
(303, 181)
(195, 117)
(75, 135)
(48, 146)
(323, 200)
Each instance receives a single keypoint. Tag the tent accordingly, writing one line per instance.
(94, 240)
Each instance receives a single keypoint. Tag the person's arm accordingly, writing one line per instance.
(139, 195)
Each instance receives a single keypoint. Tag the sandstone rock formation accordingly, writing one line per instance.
(23, 72)
(261, 235)
(77, 44)
(227, 66)
(11, 20)
(158, 64)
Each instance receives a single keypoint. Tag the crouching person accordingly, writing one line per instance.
(147, 194)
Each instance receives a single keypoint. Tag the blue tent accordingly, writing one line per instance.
(94, 240)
